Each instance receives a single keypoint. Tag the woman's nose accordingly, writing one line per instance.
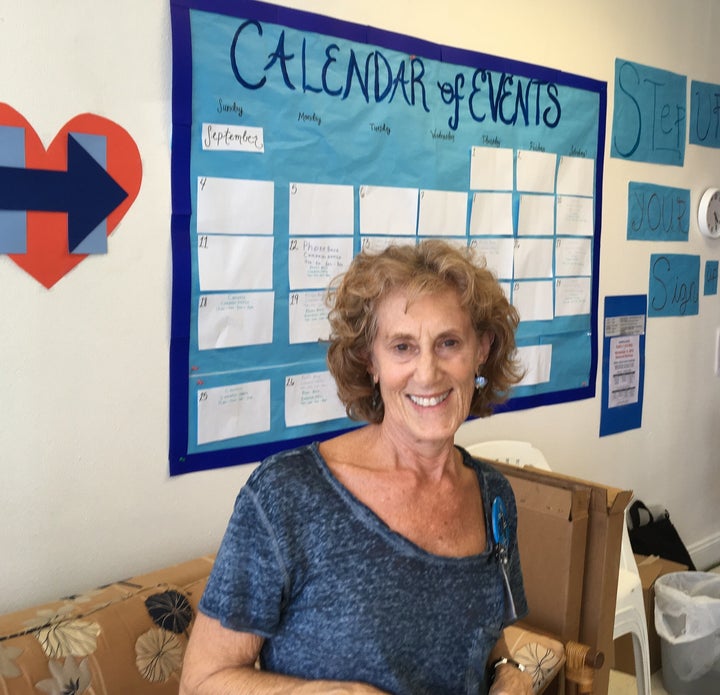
(427, 366)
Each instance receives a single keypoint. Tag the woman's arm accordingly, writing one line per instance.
(508, 680)
(220, 661)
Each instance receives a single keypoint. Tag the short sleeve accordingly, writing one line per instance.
(248, 581)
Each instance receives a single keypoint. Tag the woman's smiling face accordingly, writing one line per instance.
(424, 357)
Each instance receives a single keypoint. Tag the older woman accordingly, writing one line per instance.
(370, 563)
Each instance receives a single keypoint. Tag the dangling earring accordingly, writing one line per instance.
(480, 382)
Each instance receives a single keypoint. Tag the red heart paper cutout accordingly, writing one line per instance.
(47, 257)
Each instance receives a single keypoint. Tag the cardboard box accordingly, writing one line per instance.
(650, 568)
(558, 565)
(602, 565)
(552, 533)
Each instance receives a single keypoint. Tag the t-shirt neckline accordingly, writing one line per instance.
(374, 523)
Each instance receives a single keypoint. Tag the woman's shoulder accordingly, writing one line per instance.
(285, 484)
(285, 467)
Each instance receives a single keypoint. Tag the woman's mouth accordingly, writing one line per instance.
(428, 401)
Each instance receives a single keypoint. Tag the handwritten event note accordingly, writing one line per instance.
(498, 255)
(573, 257)
(572, 296)
(236, 410)
(233, 320)
(314, 261)
(575, 216)
(311, 397)
(308, 317)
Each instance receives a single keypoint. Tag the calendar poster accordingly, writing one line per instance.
(300, 140)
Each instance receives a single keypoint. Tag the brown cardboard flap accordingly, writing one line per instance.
(606, 497)
(552, 532)
(650, 567)
(547, 499)
(610, 500)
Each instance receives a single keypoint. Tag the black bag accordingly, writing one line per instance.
(657, 536)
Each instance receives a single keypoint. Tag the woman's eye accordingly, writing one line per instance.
(450, 343)
(402, 347)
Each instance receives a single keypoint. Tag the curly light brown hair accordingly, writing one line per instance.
(430, 267)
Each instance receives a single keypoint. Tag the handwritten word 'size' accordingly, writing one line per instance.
(340, 73)
(674, 285)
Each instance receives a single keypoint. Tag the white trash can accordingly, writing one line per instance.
(687, 619)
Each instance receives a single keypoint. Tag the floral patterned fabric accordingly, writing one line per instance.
(129, 638)
(125, 638)
(542, 656)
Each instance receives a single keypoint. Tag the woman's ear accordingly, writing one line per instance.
(485, 342)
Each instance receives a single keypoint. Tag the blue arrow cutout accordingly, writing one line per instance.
(86, 192)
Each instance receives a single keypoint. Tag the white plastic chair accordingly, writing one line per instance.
(510, 451)
(630, 613)
(629, 608)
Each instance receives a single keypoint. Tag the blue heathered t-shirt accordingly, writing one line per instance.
(338, 595)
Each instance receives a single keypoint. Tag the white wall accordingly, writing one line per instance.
(85, 495)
